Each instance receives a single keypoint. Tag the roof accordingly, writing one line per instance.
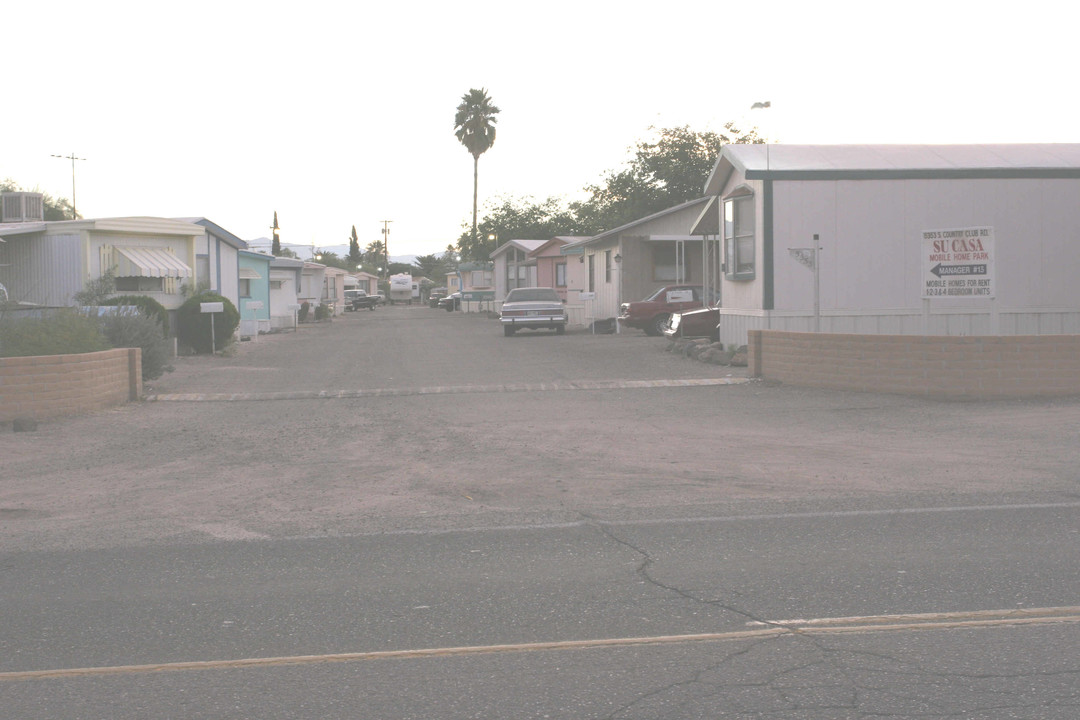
(866, 162)
(217, 231)
(570, 248)
(559, 240)
(525, 245)
(135, 224)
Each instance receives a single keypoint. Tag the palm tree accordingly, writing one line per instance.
(474, 126)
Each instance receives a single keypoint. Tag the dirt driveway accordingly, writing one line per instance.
(411, 418)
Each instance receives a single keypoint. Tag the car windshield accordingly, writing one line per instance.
(531, 294)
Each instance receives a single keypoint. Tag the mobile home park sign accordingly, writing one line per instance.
(958, 263)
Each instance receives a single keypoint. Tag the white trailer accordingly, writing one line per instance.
(401, 288)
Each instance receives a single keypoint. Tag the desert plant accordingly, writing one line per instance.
(97, 291)
(147, 305)
(305, 308)
(193, 325)
(321, 312)
(130, 329)
(60, 333)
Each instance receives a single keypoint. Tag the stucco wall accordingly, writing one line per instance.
(55, 385)
(977, 368)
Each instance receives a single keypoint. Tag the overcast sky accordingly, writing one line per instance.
(337, 114)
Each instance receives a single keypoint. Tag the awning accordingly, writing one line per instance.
(149, 262)
(249, 274)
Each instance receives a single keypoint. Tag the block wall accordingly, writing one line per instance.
(972, 367)
(55, 385)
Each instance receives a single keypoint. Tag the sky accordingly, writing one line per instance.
(337, 115)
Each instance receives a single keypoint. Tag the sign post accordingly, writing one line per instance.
(958, 263)
(212, 307)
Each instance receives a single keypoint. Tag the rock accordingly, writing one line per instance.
(740, 359)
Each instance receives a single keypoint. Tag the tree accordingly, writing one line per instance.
(431, 266)
(517, 219)
(355, 256)
(664, 172)
(275, 246)
(374, 254)
(474, 126)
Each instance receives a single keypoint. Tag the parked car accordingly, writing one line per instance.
(652, 313)
(451, 302)
(357, 299)
(702, 322)
(436, 295)
(532, 308)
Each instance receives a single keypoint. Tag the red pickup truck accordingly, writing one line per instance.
(652, 313)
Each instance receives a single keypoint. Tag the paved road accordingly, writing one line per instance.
(566, 527)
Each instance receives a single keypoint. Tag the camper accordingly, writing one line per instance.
(401, 289)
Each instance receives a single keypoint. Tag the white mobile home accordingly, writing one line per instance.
(841, 238)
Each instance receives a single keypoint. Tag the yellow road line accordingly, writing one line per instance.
(819, 626)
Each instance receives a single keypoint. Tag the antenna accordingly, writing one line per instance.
(72, 158)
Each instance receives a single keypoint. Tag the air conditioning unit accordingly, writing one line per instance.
(16, 207)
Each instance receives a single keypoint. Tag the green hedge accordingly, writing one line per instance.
(193, 325)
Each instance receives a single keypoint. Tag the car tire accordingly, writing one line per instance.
(508, 330)
(656, 325)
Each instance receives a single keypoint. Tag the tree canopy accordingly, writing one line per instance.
(665, 170)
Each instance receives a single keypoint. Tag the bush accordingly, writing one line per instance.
(134, 329)
(305, 308)
(193, 326)
(148, 306)
(66, 332)
(321, 312)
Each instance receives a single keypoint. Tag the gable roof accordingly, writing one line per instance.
(217, 231)
(525, 245)
(869, 162)
(570, 247)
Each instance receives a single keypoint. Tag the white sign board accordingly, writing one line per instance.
(680, 296)
(958, 263)
(588, 296)
(211, 307)
(254, 305)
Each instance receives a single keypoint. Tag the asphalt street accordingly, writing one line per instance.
(403, 514)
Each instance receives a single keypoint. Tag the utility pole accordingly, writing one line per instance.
(386, 244)
(72, 158)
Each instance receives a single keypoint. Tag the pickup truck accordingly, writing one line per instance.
(357, 299)
(652, 313)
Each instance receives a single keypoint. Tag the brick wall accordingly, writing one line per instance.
(54, 385)
(971, 367)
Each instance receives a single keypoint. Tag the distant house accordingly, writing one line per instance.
(367, 282)
(285, 279)
(312, 286)
(474, 278)
(253, 290)
(871, 214)
(559, 271)
(334, 289)
(514, 267)
(632, 261)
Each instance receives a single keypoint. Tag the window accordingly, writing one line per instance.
(665, 261)
(560, 275)
(607, 266)
(245, 288)
(739, 237)
(592, 273)
(277, 284)
(140, 284)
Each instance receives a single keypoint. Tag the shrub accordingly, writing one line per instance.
(321, 312)
(305, 308)
(60, 333)
(148, 306)
(134, 329)
(193, 326)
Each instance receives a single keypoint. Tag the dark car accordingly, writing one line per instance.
(702, 322)
(436, 295)
(532, 308)
(357, 299)
(451, 302)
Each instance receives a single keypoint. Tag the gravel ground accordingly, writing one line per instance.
(432, 420)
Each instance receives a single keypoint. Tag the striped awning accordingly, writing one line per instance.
(247, 273)
(149, 262)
